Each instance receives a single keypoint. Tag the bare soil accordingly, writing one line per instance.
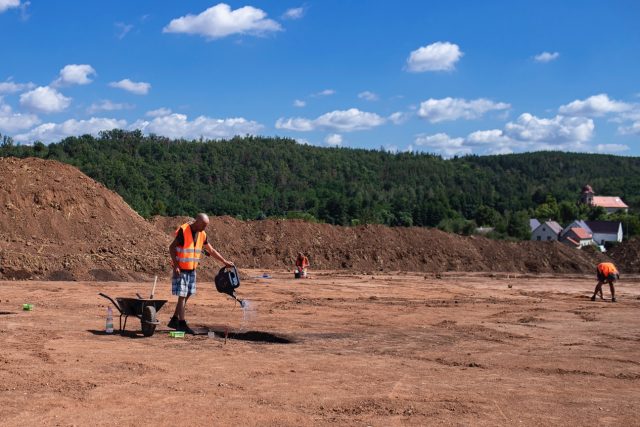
(335, 349)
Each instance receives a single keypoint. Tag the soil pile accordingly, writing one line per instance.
(626, 255)
(275, 243)
(57, 223)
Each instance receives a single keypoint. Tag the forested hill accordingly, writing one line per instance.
(255, 177)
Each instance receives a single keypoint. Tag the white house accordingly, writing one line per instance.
(605, 231)
(547, 231)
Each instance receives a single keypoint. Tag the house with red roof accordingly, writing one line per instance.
(576, 237)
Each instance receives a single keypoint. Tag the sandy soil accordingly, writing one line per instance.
(366, 350)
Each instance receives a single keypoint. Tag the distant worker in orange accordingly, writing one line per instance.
(302, 263)
(186, 250)
(607, 273)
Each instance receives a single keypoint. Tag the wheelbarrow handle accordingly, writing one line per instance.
(111, 299)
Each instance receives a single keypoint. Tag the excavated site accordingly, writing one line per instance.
(393, 327)
(58, 224)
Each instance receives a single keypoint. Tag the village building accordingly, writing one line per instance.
(605, 231)
(610, 204)
(547, 231)
(577, 237)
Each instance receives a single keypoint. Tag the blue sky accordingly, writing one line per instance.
(451, 78)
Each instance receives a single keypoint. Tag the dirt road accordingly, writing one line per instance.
(364, 350)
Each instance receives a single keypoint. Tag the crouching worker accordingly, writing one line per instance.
(607, 273)
(186, 250)
(302, 263)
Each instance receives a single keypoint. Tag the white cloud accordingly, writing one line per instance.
(333, 139)
(220, 21)
(107, 105)
(75, 74)
(158, 112)
(294, 13)
(493, 141)
(9, 86)
(302, 141)
(439, 56)
(52, 132)
(559, 132)
(12, 122)
(546, 57)
(439, 110)
(443, 144)
(45, 99)
(171, 126)
(122, 29)
(8, 4)
(299, 103)
(326, 92)
(368, 96)
(399, 117)
(138, 88)
(339, 120)
(611, 148)
(527, 133)
(178, 126)
(594, 106)
(633, 129)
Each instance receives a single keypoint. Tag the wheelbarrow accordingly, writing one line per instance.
(144, 309)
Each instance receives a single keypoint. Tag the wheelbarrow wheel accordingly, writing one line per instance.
(148, 320)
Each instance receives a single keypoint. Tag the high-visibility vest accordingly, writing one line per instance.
(189, 254)
(607, 268)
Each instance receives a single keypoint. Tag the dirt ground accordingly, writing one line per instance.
(383, 350)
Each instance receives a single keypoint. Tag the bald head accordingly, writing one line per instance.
(201, 222)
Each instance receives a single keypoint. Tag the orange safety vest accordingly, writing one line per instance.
(189, 254)
(304, 262)
(607, 268)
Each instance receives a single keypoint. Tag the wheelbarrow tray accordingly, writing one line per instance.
(135, 306)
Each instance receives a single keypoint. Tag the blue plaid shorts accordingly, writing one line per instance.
(184, 285)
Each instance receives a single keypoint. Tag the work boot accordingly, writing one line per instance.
(593, 298)
(174, 323)
(613, 300)
(185, 328)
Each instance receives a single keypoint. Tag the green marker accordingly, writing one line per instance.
(27, 307)
(176, 334)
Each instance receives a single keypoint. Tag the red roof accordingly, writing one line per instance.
(573, 241)
(581, 233)
(608, 202)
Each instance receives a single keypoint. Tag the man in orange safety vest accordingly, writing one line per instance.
(607, 272)
(186, 250)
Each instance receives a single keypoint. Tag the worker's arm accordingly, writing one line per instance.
(173, 253)
(217, 255)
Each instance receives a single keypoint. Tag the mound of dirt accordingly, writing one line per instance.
(275, 243)
(626, 256)
(59, 224)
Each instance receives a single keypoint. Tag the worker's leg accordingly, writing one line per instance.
(597, 290)
(613, 291)
(179, 313)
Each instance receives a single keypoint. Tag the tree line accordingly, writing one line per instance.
(256, 177)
